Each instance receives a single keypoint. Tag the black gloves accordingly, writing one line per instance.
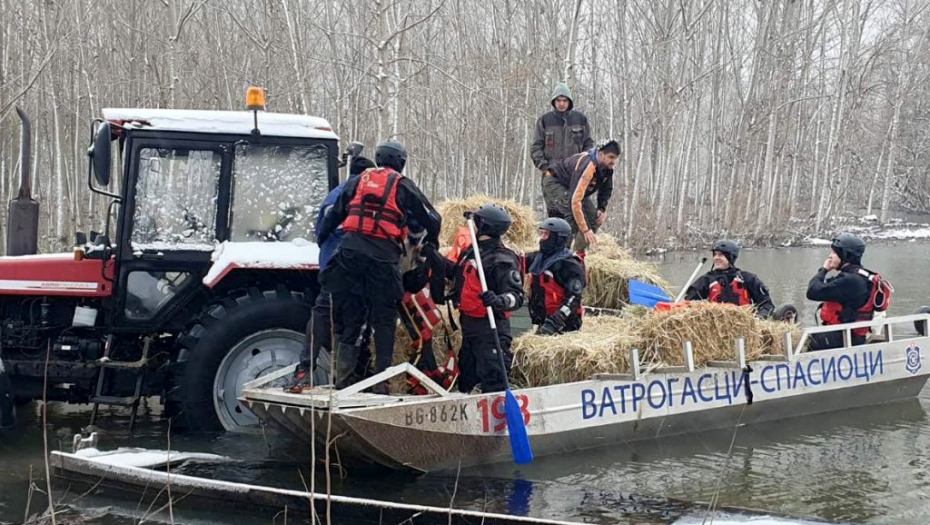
(554, 324)
(416, 279)
(493, 300)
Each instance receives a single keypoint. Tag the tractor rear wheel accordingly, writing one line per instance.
(240, 338)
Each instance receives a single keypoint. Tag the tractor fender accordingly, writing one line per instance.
(297, 255)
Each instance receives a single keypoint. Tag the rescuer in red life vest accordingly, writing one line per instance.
(846, 296)
(478, 361)
(363, 276)
(728, 284)
(557, 280)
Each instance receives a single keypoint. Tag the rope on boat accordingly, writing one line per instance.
(712, 506)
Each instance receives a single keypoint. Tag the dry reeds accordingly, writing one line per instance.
(521, 235)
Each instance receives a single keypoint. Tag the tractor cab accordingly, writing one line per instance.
(191, 179)
(140, 309)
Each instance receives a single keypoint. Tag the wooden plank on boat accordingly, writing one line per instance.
(127, 476)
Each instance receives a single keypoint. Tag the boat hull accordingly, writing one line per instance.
(439, 433)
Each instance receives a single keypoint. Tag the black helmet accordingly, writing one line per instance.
(559, 234)
(848, 247)
(391, 154)
(492, 220)
(728, 248)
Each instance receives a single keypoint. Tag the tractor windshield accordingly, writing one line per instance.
(176, 194)
(277, 191)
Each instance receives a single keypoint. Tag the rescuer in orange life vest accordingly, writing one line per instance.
(851, 295)
(363, 276)
(557, 280)
(478, 360)
(728, 284)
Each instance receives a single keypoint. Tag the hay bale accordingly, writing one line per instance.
(772, 334)
(609, 268)
(521, 235)
(608, 283)
(712, 328)
(602, 345)
(608, 246)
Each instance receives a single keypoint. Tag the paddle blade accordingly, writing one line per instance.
(646, 294)
(516, 428)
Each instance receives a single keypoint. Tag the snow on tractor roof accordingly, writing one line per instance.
(232, 122)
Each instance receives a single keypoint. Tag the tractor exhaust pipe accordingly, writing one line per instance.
(22, 233)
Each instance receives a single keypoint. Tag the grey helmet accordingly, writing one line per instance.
(560, 232)
(728, 248)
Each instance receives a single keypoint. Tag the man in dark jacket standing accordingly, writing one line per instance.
(373, 210)
(728, 284)
(561, 132)
(845, 296)
(569, 185)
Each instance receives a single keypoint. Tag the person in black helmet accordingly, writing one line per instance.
(726, 283)
(478, 361)
(557, 280)
(373, 212)
(844, 295)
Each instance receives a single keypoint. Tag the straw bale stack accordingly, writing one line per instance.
(602, 345)
(772, 335)
(712, 328)
(610, 268)
(522, 233)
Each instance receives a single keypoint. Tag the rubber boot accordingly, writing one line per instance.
(346, 361)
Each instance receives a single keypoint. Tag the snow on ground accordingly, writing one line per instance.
(816, 241)
(901, 233)
(144, 458)
(894, 231)
(298, 253)
(730, 519)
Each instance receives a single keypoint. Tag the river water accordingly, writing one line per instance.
(858, 466)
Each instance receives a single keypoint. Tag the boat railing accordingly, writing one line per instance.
(355, 388)
(882, 327)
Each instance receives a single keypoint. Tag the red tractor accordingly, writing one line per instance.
(199, 283)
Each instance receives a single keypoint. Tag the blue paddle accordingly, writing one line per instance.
(516, 428)
(647, 294)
